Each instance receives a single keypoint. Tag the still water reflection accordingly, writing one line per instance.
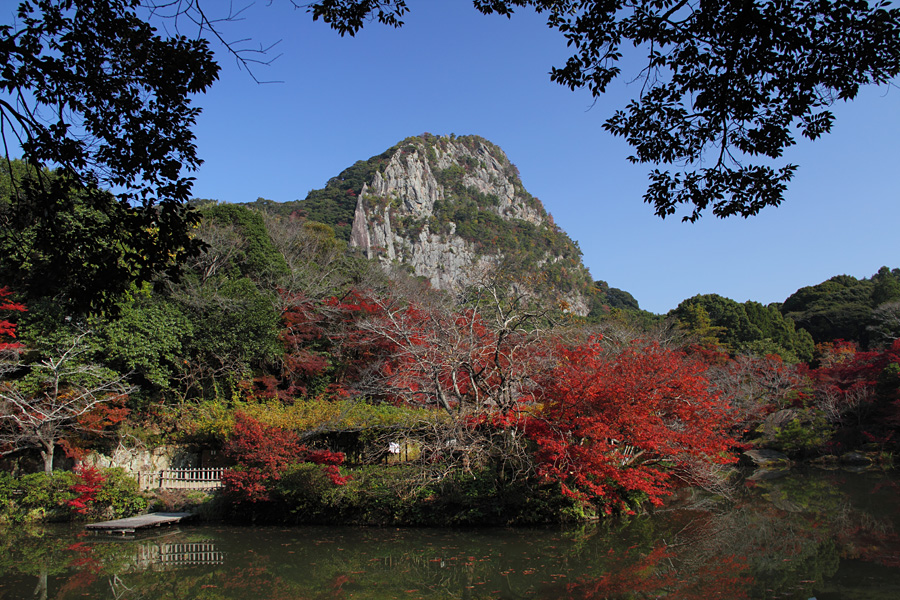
(812, 535)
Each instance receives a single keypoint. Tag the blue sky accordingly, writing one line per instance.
(452, 70)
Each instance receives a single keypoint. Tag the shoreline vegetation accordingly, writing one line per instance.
(371, 500)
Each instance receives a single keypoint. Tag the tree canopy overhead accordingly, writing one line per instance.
(726, 84)
(92, 90)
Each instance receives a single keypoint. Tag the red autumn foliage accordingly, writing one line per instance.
(830, 354)
(263, 453)
(626, 422)
(652, 575)
(105, 416)
(358, 349)
(8, 328)
(710, 354)
(846, 367)
(90, 480)
(320, 339)
(305, 342)
(864, 384)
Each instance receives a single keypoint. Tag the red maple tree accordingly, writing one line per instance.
(860, 390)
(263, 453)
(8, 328)
(617, 423)
(90, 481)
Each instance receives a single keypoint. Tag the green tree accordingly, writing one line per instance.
(81, 257)
(745, 328)
(254, 256)
(887, 286)
(693, 318)
(234, 325)
(145, 339)
(92, 89)
(779, 334)
(726, 315)
(838, 308)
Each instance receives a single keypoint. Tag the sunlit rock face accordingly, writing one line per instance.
(450, 208)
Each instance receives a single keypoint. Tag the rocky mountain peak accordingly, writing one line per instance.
(450, 208)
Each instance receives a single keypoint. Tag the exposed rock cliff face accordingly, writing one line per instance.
(451, 207)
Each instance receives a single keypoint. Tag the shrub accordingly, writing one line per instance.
(807, 432)
(263, 454)
(67, 495)
(119, 495)
(396, 495)
(88, 481)
(38, 497)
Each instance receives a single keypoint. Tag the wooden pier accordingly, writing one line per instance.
(139, 523)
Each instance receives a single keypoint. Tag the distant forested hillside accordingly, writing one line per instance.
(863, 310)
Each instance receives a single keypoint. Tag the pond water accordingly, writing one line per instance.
(823, 535)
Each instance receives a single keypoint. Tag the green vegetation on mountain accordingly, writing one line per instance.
(744, 328)
(335, 204)
(525, 235)
(526, 245)
(864, 311)
(617, 298)
(847, 308)
(609, 305)
(252, 253)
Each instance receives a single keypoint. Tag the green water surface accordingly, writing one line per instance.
(823, 535)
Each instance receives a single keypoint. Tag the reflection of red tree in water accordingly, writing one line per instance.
(882, 547)
(870, 539)
(719, 577)
(257, 580)
(336, 591)
(87, 568)
(655, 574)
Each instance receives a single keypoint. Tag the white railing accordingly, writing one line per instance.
(181, 479)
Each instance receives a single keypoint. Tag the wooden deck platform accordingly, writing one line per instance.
(142, 522)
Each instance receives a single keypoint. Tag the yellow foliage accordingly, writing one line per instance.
(216, 420)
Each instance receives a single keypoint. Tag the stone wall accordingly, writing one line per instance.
(137, 459)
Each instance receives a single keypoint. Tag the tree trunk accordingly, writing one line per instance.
(40, 591)
(47, 455)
